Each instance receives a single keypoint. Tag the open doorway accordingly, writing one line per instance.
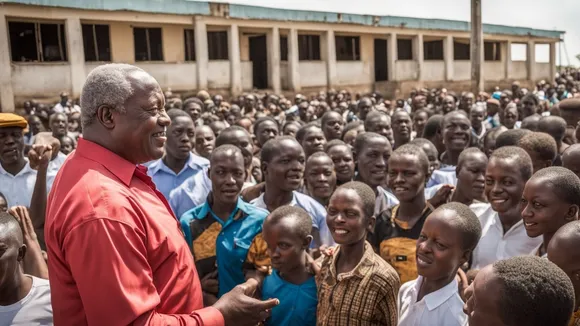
(259, 58)
(381, 66)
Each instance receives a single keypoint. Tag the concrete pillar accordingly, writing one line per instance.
(235, 61)
(531, 63)
(293, 62)
(330, 59)
(273, 41)
(418, 55)
(76, 55)
(201, 54)
(508, 59)
(448, 54)
(6, 93)
(552, 61)
(392, 56)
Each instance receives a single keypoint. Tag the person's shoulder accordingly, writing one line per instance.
(252, 211)
(199, 160)
(309, 204)
(383, 273)
(192, 214)
(40, 287)
(407, 286)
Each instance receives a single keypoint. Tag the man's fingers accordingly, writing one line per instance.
(266, 304)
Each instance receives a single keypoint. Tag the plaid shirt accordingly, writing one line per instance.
(367, 295)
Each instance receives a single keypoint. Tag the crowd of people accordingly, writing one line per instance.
(136, 206)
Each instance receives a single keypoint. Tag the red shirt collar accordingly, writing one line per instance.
(117, 165)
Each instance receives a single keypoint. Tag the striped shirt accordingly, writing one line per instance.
(365, 296)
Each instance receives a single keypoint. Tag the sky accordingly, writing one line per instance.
(562, 15)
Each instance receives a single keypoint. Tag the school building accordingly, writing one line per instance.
(49, 46)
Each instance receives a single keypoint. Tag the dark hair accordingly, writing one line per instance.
(362, 139)
(451, 114)
(222, 139)
(301, 133)
(272, 146)
(420, 142)
(534, 292)
(222, 149)
(520, 156)
(10, 222)
(554, 126)
(464, 154)
(565, 183)
(315, 156)
(541, 144)
(350, 126)
(301, 221)
(193, 100)
(467, 221)
(410, 149)
(374, 115)
(366, 194)
(334, 143)
(532, 97)
(432, 126)
(327, 116)
(510, 137)
(176, 113)
(264, 119)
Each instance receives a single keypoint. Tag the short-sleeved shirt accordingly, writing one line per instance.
(297, 301)
(446, 174)
(166, 179)
(33, 310)
(365, 296)
(496, 245)
(316, 211)
(396, 241)
(442, 307)
(233, 245)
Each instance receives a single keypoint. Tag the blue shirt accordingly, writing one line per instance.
(166, 179)
(231, 241)
(297, 302)
(444, 175)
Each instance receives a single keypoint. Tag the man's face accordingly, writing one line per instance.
(467, 102)
(477, 115)
(36, 125)
(286, 169)
(142, 129)
(204, 141)
(66, 145)
(343, 162)
(227, 174)
(11, 145)
(266, 130)
(372, 162)
(528, 107)
(74, 123)
(250, 102)
(456, 132)
(509, 117)
(180, 138)
(382, 126)
(482, 306)
(364, 107)
(285, 247)
(346, 217)
(471, 176)
(194, 110)
(59, 125)
(320, 177)
(406, 177)
(242, 141)
(504, 185)
(333, 127)
(313, 141)
(402, 127)
(448, 104)
(419, 121)
(11, 255)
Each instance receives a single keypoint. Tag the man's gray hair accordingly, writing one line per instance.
(106, 85)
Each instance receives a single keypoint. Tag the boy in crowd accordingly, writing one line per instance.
(571, 159)
(398, 228)
(447, 240)
(320, 177)
(504, 234)
(283, 170)
(541, 147)
(563, 251)
(402, 128)
(204, 141)
(477, 116)
(551, 199)
(355, 286)
(225, 231)
(520, 291)
(265, 128)
(343, 160)
(420, 118)
(311, 138)
(287, 232)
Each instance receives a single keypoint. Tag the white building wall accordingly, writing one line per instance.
(493, 70)
(353, 72)
(461, 70)
(519, 70)
(29, 79)
(543, 71)
(407, 70)
(433, 70)
(312, 73)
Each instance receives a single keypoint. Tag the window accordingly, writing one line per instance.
(96, 42)
(404, 49)
(492, 51)
(283, 48)
(189, 43)
(433, 50)
(148, 44)
(308, 47)
(461, 50)
(347, 48)
(37, 42)
(217, 45)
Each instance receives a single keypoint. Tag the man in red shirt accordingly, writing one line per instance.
(117, 255)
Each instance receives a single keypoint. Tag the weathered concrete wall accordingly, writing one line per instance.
(542, 71)
(353, 72)
(433, 70)
(493, 70)
(518, 70)
(461, 70)
(29, 80)
(312, 73)
(406, 69)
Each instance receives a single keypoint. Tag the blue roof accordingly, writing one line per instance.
(186, 7)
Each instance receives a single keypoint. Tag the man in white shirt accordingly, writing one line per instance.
(24, 299)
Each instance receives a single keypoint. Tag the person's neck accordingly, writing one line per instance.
(276, 197)
(477, 128)
(547, 237)
(15, 167)
(451, 157)
(221, 209)
(349, 256)
(12, 292)
(509, 219)
(461, 196)
(174, 163)
(322, 201)
(430, 286)
(297, 275)
(410, 210)
(400, 142)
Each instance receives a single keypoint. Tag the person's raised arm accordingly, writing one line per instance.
(33, 263)
(108, 260)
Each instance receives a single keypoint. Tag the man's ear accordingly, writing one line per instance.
(572, 213)
(21, 253)
(371, 224)
(306, 242)
(465, 257)
(105, 116)
(264, 168)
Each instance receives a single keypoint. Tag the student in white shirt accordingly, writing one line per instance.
(551, 199)
(24, 299)
(503, 232)
(446, 242)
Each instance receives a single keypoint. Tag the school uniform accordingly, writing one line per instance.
(442, 307)
(297, 301)
(496, 245)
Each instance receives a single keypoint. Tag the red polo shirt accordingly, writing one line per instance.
(117, 255)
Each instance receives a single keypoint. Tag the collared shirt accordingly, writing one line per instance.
(297, 301)
(442, 307)
(312, 207)
(365, 296)
(53, 168)
(444, 175)
(117, 255)
(234, 245)
(496, 245)
(166, 179)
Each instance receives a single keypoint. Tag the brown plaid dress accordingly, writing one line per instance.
(365, 296)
